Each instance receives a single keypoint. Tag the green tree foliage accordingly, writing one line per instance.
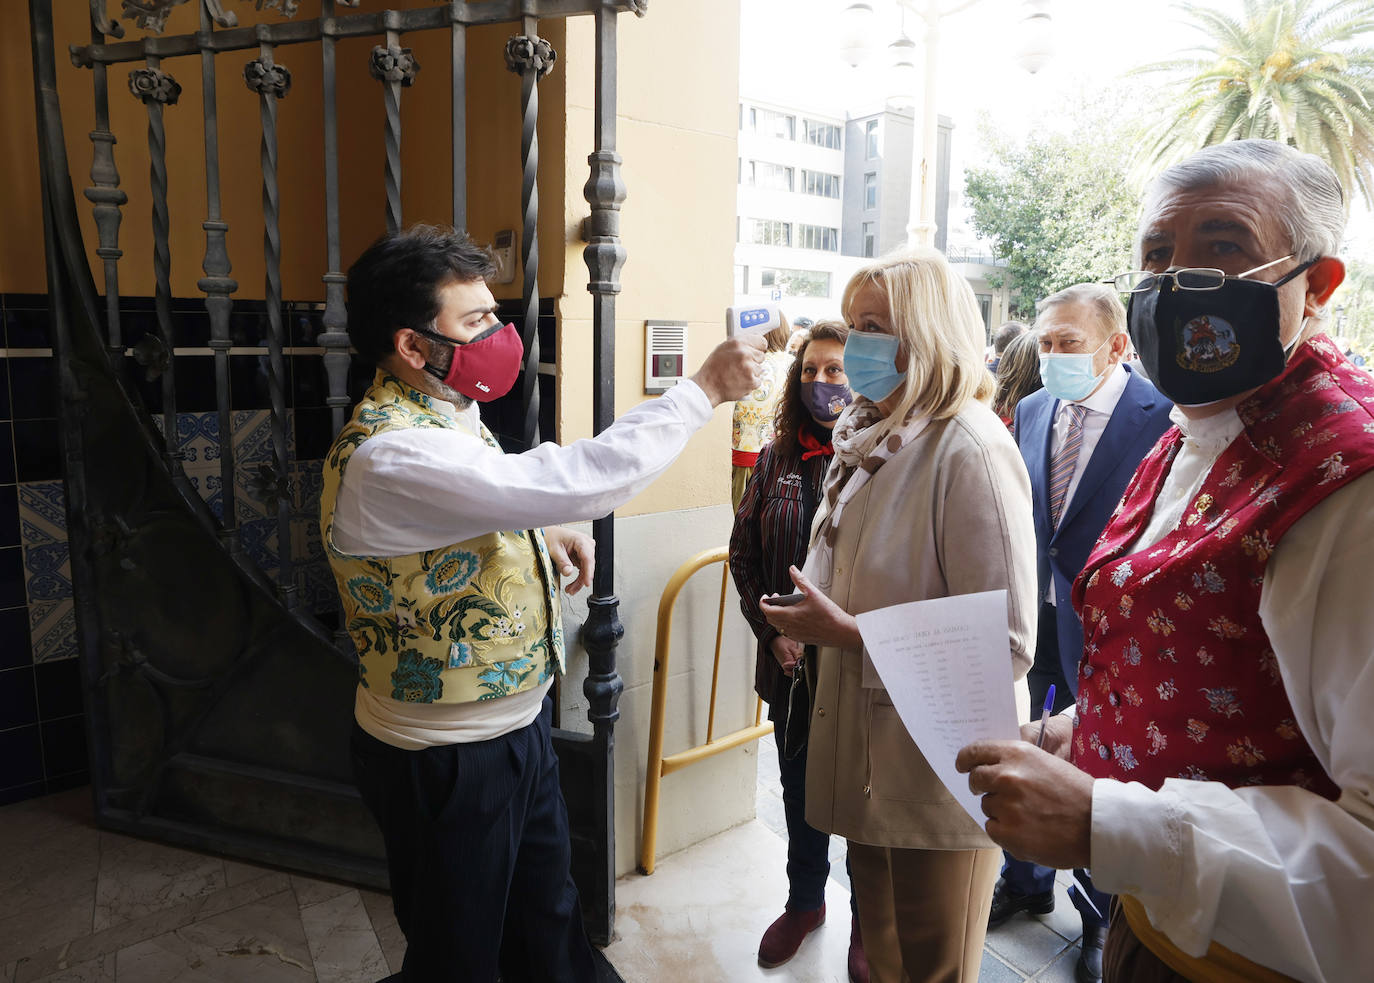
(1058, 208)
(1289, 70)
(1352, 308)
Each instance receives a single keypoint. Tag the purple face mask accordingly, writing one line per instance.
(825, 401)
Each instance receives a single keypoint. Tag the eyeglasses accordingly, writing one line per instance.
(1189, 278)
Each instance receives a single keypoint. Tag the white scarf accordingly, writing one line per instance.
(856, 461)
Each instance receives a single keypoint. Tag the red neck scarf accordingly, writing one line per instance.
(812, 445)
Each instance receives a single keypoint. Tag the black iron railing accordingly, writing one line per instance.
(218, 705)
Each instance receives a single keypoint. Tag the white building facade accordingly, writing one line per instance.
(821, 192)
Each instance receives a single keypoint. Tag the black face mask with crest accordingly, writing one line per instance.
(1203, 346)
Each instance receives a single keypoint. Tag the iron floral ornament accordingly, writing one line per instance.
(393, 65)
(524, 53)
(150, 14)
(273, 80)
(154, 85)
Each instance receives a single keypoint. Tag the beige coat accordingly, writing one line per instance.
(949, 514)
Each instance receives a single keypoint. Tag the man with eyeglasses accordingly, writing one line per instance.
(1081, 436)
(1223, 733)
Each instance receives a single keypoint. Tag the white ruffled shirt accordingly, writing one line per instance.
(1280, 875)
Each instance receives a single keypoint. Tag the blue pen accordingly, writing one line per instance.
(1045, 715)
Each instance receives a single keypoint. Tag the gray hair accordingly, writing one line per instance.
(1313, 216)
(1099, 298)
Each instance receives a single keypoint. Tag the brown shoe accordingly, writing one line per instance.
(784, 937)
(858, 959)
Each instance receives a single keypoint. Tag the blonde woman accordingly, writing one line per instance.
(927, 497)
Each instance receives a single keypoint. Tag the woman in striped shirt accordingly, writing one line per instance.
(772, 530)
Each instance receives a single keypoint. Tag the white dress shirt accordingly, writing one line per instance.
(1100, 406)
(1280, 875)
(406, 491)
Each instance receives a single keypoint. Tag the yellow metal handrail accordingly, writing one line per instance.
(658, 765)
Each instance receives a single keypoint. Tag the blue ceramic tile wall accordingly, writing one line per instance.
(42, 712)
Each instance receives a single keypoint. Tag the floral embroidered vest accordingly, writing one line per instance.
(470, 621)
(1178, 677)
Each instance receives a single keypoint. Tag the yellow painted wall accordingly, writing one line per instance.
(493, 107)
(677, 134)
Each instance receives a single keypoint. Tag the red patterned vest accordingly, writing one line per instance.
(1178, 677)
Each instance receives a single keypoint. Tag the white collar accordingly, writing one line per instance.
(1210, 433)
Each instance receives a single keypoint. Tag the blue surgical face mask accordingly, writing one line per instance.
(870, 363)
(1071, 377)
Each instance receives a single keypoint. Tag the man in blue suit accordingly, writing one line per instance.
(1082, 437)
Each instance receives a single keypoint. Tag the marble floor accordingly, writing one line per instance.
(83, 905)
(700, 915)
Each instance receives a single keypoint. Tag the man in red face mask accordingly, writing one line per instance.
(448, 566)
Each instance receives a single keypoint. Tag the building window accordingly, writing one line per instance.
(821, 184)
(741, 280)
(773, 177)
(821, 134)
(870, 240)
(871, 190)
(818, 237)
(771, 123)
(871, 140)
(796, 283)
(770, 232)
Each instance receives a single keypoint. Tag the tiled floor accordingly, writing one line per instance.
(81, 905)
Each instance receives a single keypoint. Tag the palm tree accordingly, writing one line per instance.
(1289, 70)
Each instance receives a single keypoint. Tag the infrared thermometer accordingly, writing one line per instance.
(751, 319)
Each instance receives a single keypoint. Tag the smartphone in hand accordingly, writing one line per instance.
(786, 600)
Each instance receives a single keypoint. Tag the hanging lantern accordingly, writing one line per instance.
(1035, 43)
(858, 29)
(902, 77)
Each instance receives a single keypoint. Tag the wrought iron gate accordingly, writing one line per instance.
(219, 706)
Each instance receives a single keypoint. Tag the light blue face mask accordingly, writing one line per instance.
(870, 363)
(1071, 377)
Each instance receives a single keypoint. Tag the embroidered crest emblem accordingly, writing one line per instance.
(1207, 344)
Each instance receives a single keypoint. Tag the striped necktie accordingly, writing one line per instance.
(1064, 462)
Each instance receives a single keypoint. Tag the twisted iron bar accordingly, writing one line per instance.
(271, 82)
(394, 67)
(217, 284)
(532, 58)
(158, 89)
(104, 194)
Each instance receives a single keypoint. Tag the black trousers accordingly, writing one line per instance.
(477, 846)
(1022, 876)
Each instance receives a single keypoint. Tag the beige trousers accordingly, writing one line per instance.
(924, 913)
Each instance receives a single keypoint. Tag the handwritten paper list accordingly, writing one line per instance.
(945, 663)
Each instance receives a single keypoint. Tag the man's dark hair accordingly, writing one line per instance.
(395, 283)
(1006, 334)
